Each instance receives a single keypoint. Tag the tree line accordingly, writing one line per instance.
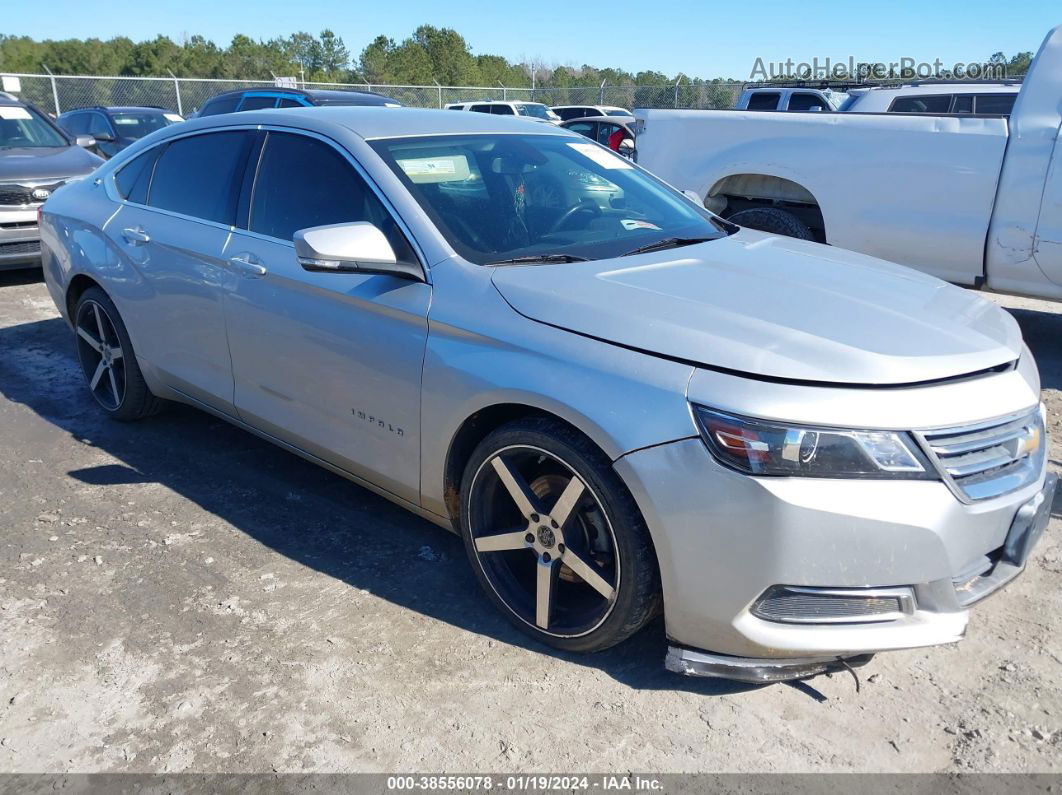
(429, 55)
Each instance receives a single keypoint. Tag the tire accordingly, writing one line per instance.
(581, 578)
(111, 370)
(773, 220)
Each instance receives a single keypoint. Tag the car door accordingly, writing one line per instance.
(173, 241)
(329, 362)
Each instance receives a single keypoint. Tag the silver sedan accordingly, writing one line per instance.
(624, 404)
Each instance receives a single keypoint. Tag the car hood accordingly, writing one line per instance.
(772, 307)
(26, 164)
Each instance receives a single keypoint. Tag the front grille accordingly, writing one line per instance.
(20, 247)
(991, 458)
(13, 194)
(794, 605)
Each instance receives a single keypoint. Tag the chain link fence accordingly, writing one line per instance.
(60, 93)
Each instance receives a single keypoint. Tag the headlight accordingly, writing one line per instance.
(762, 447)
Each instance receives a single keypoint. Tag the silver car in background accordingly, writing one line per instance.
(623, 404)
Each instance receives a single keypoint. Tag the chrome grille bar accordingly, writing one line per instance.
(989, 459)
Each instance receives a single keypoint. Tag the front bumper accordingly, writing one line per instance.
(723, 539)
(20, 239)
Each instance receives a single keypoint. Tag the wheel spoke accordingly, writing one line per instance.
(99, 324)
(95, 344)
(516, 487)
(114, 386)
(544, 592)
(586, 572)
(502, 541)
(101, 368)
(116, 353)
(567, 500)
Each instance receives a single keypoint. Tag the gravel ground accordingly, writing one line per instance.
(180, 596)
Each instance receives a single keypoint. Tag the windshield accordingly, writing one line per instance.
(533, 109)
(137, 125)
(499, 197)
(23, 127)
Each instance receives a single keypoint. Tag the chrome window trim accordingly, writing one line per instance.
(111, 189)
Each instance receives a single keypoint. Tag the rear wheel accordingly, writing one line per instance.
(107, 360)
(773, 220)
(555, 538)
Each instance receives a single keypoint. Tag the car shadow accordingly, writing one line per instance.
(345, 531)
(21, 276)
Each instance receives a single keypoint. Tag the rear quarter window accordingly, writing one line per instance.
(134, 178)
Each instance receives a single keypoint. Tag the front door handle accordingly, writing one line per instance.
(247, 265)
(135, 237)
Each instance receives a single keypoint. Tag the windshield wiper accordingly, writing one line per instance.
(667, 242)
(539, 259)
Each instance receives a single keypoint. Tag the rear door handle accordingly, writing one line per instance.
(136, 236)
(247, 265)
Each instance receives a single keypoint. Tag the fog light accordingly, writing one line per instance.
(798, 605)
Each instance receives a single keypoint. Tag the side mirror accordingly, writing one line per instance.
(107, 137)
(85, 141)
(356, 247)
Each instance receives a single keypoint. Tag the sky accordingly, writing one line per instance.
(704, 39)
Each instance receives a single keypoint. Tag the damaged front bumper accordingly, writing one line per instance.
(690, 662)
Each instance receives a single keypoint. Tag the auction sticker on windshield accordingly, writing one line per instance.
(444, 168)
(601, 156)
(14, 113)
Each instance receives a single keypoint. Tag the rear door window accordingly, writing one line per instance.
(200, 175)
(257, 103)
(964, 103)
(287, 102)
(303, 182)
(938, 103)
(502, 110)
(223, 105)
(764, 100)
(481, 108)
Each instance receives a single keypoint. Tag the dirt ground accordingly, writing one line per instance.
(180, 596)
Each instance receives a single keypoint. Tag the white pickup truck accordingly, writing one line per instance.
(972, 199)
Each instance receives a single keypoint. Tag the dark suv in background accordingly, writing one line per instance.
(114, 128)
(36, 157)
(259, 98)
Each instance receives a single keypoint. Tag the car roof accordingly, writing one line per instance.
(959, 87)
(371, 121)
(119, 109)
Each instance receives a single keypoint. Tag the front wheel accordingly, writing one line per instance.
(556, 539)
(772, 220)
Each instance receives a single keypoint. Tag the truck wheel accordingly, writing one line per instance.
(773, 220)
